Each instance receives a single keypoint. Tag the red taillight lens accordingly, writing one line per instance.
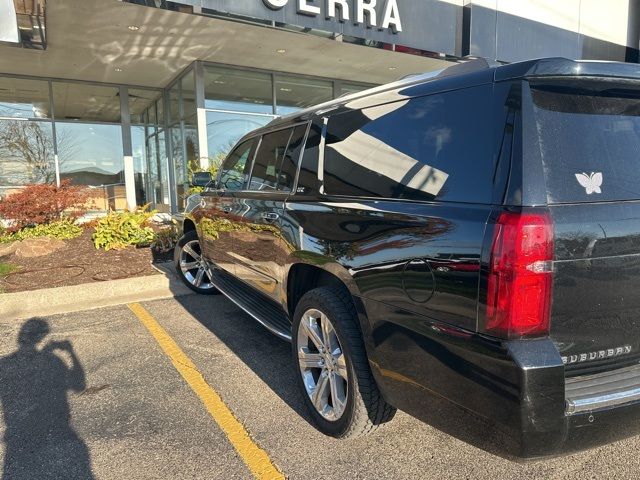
(520, 275)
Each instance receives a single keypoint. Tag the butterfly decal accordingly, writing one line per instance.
(591, 183)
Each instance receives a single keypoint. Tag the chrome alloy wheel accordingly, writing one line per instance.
(322, 365)
(193, 266)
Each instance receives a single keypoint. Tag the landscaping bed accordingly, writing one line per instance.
(44, 243)
(77, 261)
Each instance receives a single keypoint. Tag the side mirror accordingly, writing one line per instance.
(201, 179)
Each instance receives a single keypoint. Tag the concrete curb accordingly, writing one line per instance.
(87, 296)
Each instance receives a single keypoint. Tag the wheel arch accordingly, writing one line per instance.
(303, 277)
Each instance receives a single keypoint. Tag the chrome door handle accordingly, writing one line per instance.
(271, 217)
(225, 209)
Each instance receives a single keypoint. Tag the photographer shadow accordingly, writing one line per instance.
(39, 439)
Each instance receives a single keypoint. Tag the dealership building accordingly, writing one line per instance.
(130, 96)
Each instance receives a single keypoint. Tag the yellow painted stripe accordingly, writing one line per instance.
(253, 456)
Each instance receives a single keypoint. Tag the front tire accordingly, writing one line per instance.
(332, 368)
(190, 266)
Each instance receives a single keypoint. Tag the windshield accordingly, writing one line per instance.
(589, 140)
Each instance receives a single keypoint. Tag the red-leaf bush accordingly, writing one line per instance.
(44, 203)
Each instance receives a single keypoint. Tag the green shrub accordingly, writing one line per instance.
(61, 229)
(119, 230)
(165, 239)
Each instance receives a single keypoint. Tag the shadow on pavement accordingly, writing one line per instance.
(268, 356)
(34, 380)
(265, 354)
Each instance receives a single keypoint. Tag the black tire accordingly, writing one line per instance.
(191, 238)
(365, 408)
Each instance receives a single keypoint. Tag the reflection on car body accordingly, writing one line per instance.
(427, 242)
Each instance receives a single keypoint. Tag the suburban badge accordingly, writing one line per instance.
(597, 355)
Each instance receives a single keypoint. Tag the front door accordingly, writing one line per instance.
(218, 217)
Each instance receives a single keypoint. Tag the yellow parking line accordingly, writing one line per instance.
(253, 456)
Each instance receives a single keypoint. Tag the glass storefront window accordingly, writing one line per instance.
(160, 112)
(349, 88)
(191, 139)
(151, 115)
(89, 128)
(142, 112)
(187, 157)
(162, 184)
(20, 98)
(26, 153)
(238, 90)
(188, 95)
(79, 101)
(179, 161)
(91, 154)
(174, 104)
(224, 129)
(157, 186)
(140, 103)
(158, 177)
(295, 93)
(140, 170)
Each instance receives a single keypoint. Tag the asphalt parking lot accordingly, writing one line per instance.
(95, 395)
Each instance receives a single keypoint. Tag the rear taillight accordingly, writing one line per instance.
(520, 275)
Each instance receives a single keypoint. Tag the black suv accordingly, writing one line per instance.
(463, 243)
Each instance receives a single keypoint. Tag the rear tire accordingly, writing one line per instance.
(332, 368)
(187, 254)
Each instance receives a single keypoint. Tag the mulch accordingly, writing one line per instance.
(76, 263)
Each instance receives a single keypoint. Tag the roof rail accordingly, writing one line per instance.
(465, 67)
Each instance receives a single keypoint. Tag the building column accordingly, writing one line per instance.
(56, 158)
(169, 160)
(203, 146)
(127, 149)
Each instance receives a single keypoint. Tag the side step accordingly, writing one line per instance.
(261, 308)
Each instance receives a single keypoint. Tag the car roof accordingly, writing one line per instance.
(461, 75)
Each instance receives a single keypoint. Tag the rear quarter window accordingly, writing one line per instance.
(589, 141)
(436, 147)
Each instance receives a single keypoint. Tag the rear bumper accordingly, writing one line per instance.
(559, 415)
(505, 397)
(598, 409)
(589, 430)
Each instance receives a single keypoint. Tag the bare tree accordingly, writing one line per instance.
(27, 153)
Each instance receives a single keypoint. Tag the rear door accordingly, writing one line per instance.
(588, 136)
(261, 252)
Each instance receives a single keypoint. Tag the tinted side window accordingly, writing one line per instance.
(289, 164)
(236, 166)
(434, 147)
(308, 177)
(277, 159)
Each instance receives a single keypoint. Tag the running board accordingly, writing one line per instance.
(262, 309)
